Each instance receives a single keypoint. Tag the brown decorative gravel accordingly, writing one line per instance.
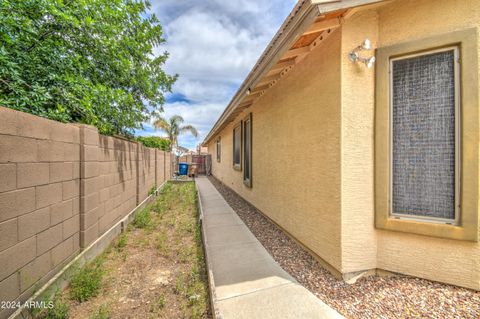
(370, 297)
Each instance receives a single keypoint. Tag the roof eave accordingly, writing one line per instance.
(301, 17)
(276, 45)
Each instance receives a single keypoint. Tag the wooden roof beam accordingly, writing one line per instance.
(274, 72)
(269, 79)
(322, 26)
(295, 52)
(304, 14)
(246, 103)
(282, 65)
(260, 88)
(254, 94)
(279, 67)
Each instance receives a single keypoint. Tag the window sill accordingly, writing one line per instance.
(469, 232)
(469, 184)
(237, 167)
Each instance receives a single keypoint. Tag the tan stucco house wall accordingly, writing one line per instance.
(282, 167)
(313, 149)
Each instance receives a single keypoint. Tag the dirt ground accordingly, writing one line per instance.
(155, 269)
(371, 297)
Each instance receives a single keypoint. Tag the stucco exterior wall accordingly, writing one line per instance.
(359, 247)
(363, 246)
(451, 261)
(313, 150)
(296, 152)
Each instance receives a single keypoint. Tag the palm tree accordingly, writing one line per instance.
(173, 127)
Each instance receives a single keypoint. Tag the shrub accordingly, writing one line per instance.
(152, 190)
(122, 241)
(102, 313)
(86, 283)
(155, 142)
(161, 302)
(142, 219)
(60, 309)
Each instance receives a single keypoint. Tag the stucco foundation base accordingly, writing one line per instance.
(348, 277)
(352, 277)
(59, 278)
(337, 274)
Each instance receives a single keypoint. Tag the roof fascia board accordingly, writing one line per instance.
(284, 44)
(282, 41)
(289, 32)
(330, 6)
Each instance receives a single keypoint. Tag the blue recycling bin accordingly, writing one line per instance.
(182, 168)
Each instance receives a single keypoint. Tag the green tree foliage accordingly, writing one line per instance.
(89, 61)
(155, 142)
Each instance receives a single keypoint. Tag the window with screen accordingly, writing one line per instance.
(247, 151)
(426, 132)
(237, 146)
(219, 149)
(424, 140)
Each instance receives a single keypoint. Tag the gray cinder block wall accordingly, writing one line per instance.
(61, 187)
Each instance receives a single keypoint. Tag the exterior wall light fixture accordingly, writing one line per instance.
(355, 56)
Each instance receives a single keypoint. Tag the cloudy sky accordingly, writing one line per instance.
(213, 44)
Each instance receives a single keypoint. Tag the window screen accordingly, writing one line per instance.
(423, 102)
(247, 148)
(219, 149)
(237, 145)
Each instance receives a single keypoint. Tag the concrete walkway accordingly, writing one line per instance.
(245, 280)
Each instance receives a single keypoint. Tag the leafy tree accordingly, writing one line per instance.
(155, 142)
(89, 61)
(173, 127)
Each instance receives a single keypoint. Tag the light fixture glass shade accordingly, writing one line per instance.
(366, 44)
(353, 56)
(370, 62)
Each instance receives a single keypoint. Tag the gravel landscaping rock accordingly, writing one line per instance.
(370, 297)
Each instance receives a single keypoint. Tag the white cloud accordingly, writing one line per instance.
(202, 116)
(213, 44)
(204, 46)
(204, 91)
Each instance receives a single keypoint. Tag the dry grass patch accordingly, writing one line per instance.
(156, 269)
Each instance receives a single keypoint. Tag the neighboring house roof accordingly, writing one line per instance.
(309, 23)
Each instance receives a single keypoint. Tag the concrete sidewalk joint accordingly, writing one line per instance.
(245, 281)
